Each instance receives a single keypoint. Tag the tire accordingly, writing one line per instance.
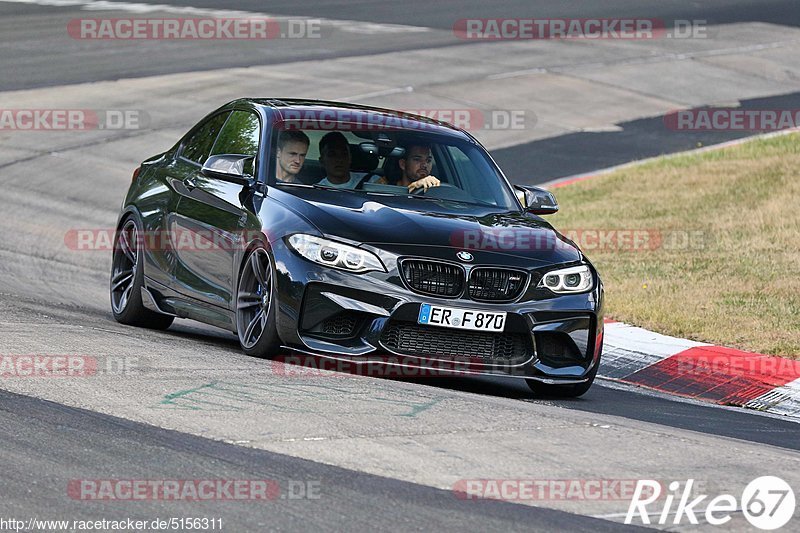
(127, 280)
(563, 391)
(256, 305)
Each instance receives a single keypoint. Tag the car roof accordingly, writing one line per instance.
(308, 109)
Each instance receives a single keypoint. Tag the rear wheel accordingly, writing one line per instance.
(127, 280)
(563, 391)
(256, 306)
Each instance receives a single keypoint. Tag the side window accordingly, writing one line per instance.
(198, 146)
(240, 135)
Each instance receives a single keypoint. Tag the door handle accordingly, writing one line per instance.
(190, 183)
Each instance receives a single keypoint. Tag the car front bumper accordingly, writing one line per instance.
(367, 321)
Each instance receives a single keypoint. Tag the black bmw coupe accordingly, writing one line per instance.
(357, 234)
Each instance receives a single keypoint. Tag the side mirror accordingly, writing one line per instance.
(536, 200)
(228, 167)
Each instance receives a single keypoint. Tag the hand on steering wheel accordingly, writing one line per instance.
(424, 184)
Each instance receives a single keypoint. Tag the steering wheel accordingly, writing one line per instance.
(440, 186)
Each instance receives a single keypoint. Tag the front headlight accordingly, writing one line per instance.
(335, 254)
(568, 280)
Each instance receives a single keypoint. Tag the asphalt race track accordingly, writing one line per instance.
(46, 61)
(379, 453)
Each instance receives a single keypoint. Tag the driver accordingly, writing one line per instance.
(415, 168)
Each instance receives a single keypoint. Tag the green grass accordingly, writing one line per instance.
(738, 283)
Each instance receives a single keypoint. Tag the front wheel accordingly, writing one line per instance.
(256, 306)
(563, 391)
(127, 280)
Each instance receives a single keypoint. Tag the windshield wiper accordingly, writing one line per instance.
(421, 197)
(439, 199)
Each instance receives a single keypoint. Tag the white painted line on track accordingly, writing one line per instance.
(384, 92)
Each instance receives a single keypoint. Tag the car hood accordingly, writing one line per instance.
(404, 225)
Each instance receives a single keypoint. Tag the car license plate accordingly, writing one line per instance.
(452, 317)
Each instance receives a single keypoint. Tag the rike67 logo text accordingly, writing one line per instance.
(767, 502)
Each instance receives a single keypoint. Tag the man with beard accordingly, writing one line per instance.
(415, 167)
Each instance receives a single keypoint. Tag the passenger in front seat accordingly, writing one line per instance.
(291, 155)
(334, 155)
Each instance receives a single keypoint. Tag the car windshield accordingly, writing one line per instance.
(423, 165)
